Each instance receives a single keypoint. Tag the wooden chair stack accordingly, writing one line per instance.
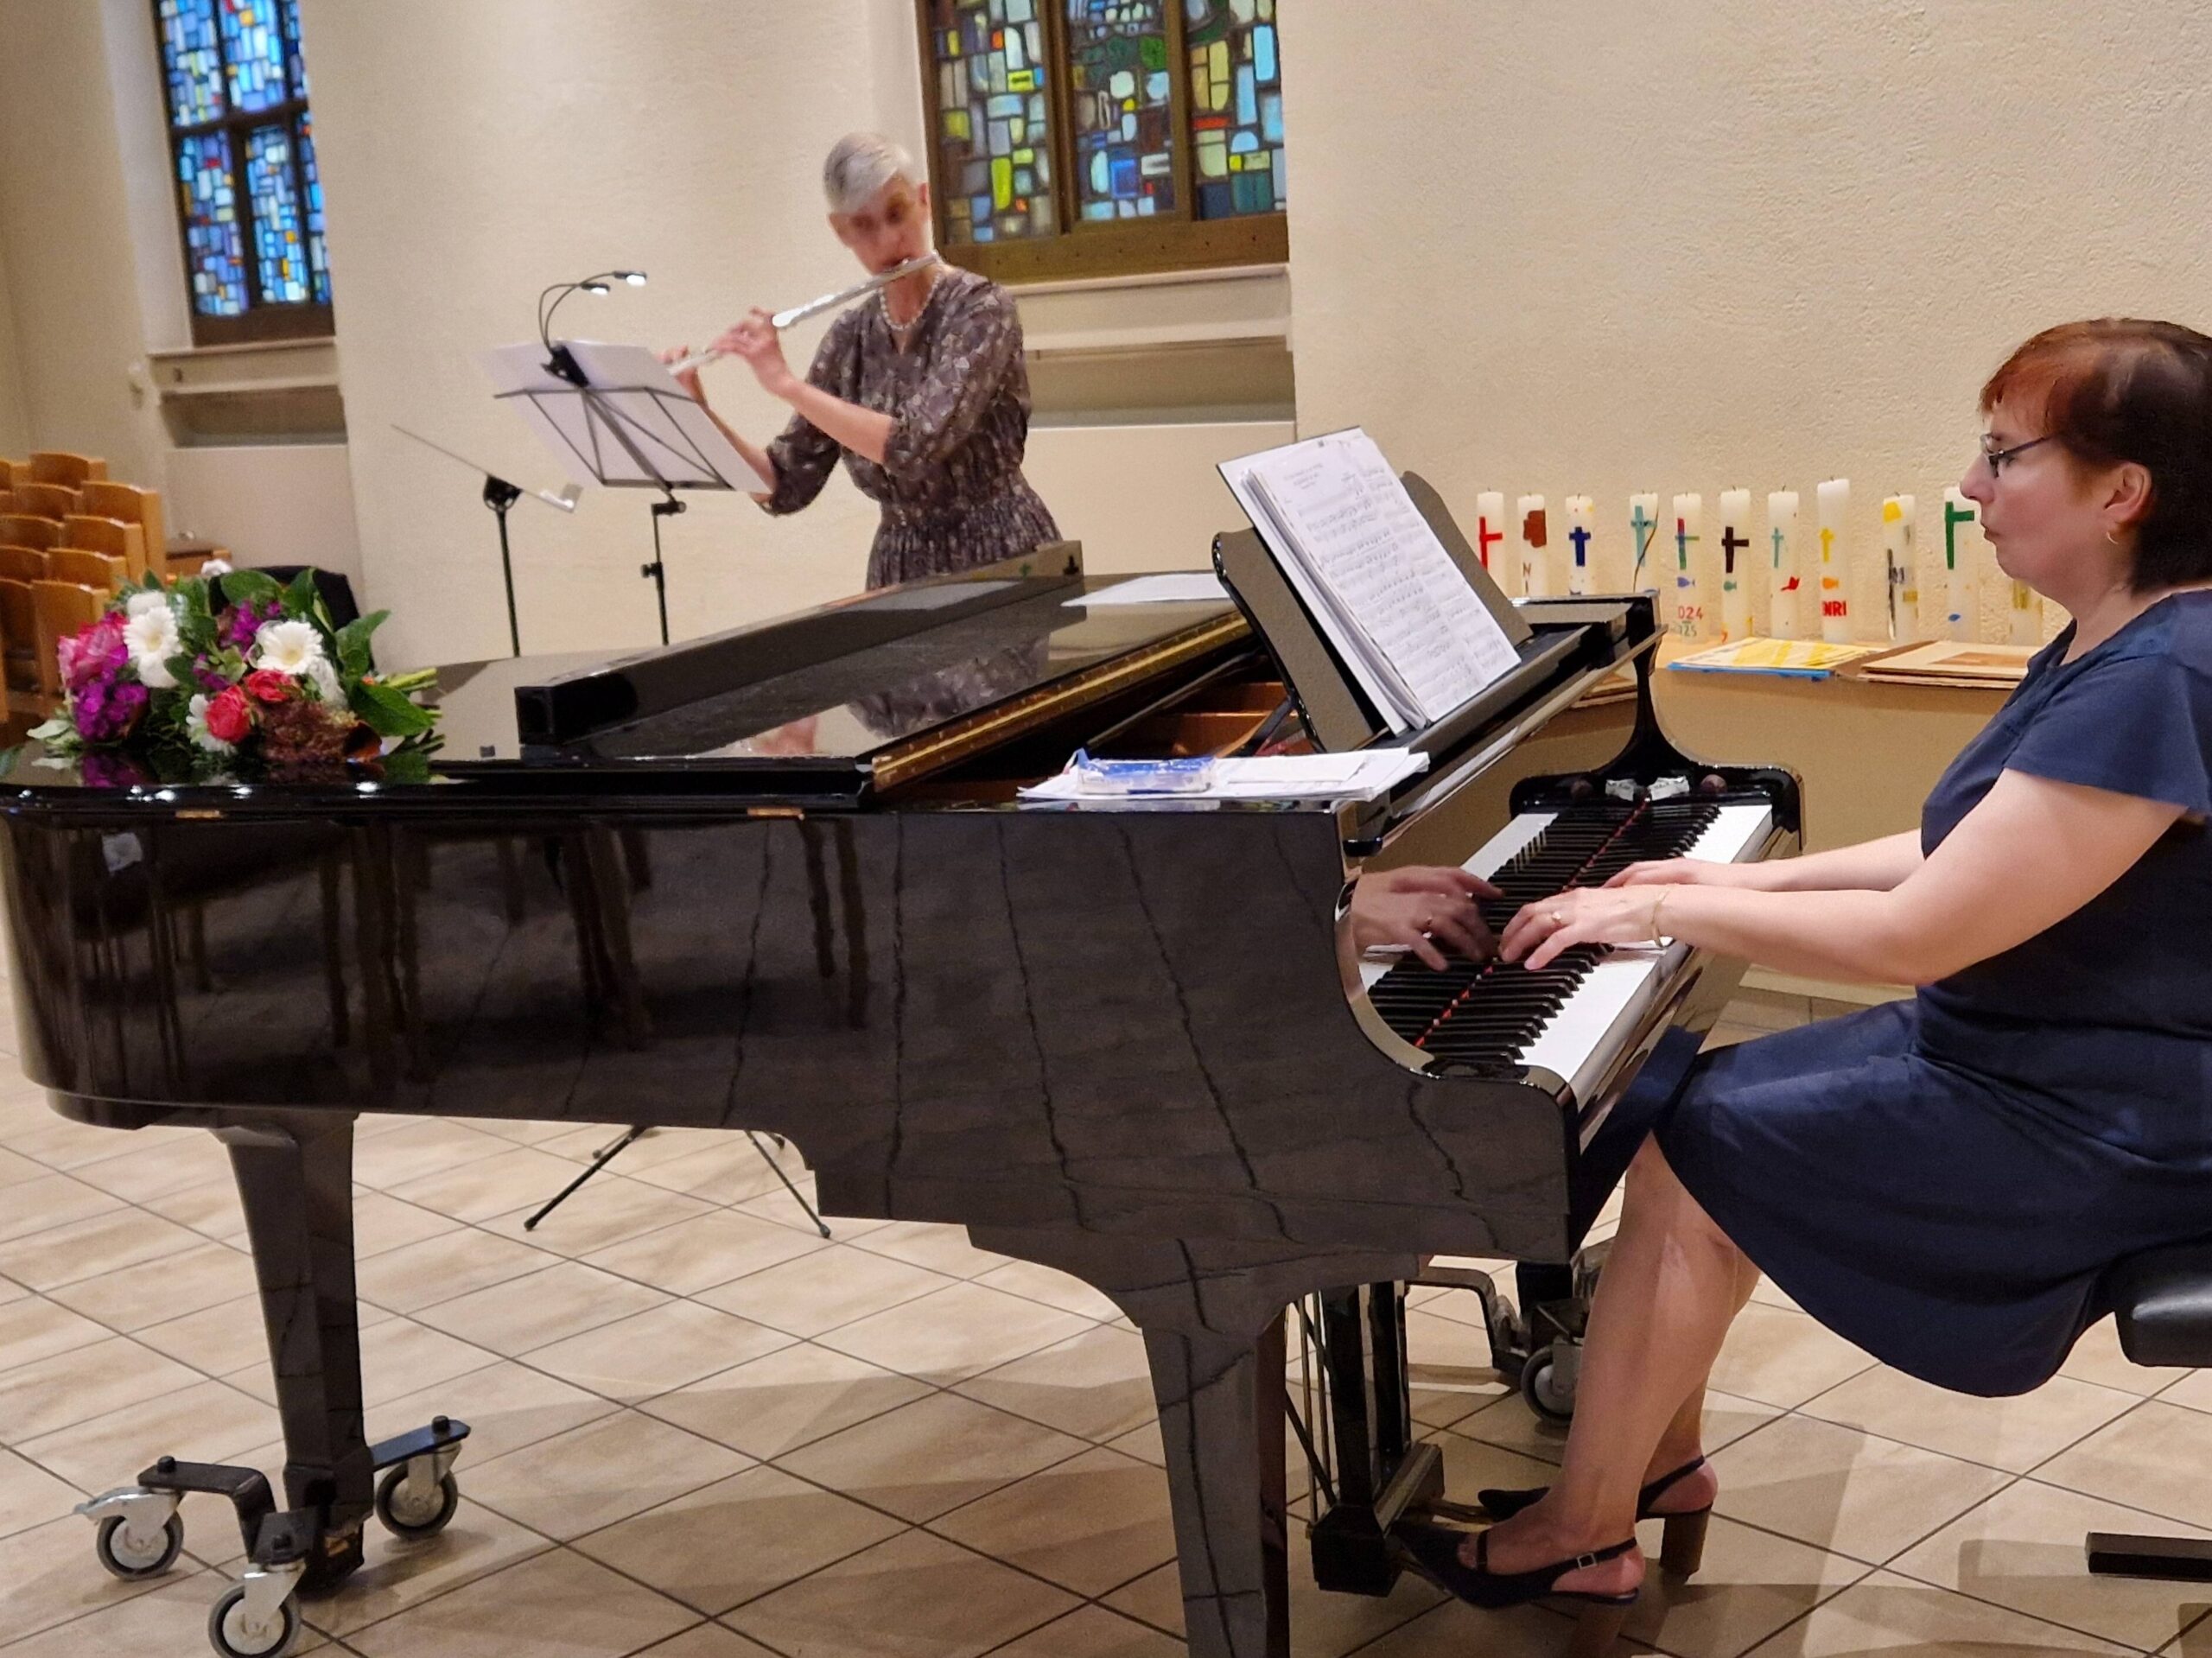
(69, 537)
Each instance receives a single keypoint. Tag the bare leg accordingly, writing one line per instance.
(1669, 1291)
(1683, 1442)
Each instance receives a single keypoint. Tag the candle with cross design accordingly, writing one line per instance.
(1735, 567)
(1834, 507)
(1489, 522)
(1784, 621)
(1644, 532)
(1960, 620)
(1900, 568)
(1689, 530)
(1580, 513)
(1536, 578)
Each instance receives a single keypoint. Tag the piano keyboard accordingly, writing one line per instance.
(1573, 1018)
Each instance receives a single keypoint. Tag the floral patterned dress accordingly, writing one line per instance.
(951, 483)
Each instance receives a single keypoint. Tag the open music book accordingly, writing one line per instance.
(1373, 576)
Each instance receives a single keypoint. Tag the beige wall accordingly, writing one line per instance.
(269, 504)
(1692, 244)
(471, 155)
(14, 425)
(65, 226)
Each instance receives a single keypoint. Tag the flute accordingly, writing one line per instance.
(843, 296)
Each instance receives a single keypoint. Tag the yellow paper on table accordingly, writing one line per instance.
(1810, 658)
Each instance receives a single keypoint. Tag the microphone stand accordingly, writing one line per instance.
(500, 496)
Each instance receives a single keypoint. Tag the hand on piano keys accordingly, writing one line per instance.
(1583, 915)
(1419, 907)
(1573, 1017)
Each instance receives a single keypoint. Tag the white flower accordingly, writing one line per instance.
(151, 638)
(216, 566)
(146, 599)
(196, 726)
(287, 647)
(296, 647)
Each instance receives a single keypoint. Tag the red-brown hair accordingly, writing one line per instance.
(2116, 389)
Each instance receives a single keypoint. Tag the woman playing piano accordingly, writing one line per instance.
(1941, 1180)
(921, 388)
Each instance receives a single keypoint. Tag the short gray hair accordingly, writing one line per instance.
(859, 166)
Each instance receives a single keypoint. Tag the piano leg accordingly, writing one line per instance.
(296, 1180)
(1211, 1315)
(1221, 1421)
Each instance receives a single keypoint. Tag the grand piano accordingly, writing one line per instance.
(779, 879)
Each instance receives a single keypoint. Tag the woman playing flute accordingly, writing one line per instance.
(921, 388)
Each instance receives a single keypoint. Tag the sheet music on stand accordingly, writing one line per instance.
(636, 429)
(1372, 572)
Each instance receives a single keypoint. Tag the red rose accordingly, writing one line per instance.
(267, 685)
(230, 716)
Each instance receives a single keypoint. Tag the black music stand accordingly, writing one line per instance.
(616, 411)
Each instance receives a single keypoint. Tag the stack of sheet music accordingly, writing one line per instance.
(1373, 576)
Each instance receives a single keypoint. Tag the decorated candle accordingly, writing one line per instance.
(1579, 513)
(1783, 619)
(1900, 568)
(1961, 621)
(1689, 527)
(1642, 532)
(2027, 614)
(1834, 507)
(1735, 565)
(1528, 512)
(1490, 522)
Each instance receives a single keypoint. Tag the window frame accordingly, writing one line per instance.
(1080, 247)
(263, 319)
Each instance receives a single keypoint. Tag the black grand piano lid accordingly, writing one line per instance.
(830, 686)
(838, 684)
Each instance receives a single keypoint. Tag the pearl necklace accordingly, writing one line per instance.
(901, 333)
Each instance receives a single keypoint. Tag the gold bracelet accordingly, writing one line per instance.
(1658, 905)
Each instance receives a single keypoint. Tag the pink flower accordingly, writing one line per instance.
(97, 653)
(267, 685)
(106, 710)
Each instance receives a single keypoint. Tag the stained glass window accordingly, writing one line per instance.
(250, 193)
(211, 238)
(195, 72)
(1122, 100)
(1236, 107)
(318, 257)
(994, 119)
(279, 243)
(254, 53)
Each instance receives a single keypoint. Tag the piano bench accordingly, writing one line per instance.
(2162, 1301)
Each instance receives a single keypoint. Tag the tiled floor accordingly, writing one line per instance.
(703, 1432)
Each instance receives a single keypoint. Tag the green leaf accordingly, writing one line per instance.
(250, 587)
(355, 655)
(407, 765)
(58, 726)
(301, 599)
(388, 713)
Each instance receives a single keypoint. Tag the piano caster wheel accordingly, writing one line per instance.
(412, 1507)
(132, 1555)
(257, 1618)
(140, 1531)
(1547, 1382)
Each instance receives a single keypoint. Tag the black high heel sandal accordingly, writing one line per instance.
(1436, 1550)
(1681, 1551)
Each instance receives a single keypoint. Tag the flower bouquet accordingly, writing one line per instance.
(196, 684)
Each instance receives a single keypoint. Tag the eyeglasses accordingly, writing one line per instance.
(1997, 458)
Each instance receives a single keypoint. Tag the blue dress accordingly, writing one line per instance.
(1943, 1180)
